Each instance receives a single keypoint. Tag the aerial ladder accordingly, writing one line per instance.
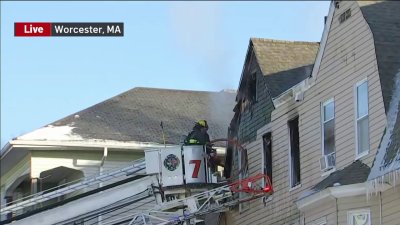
(71, 187)
(187, 189)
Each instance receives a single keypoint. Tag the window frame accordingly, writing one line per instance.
(323, 104)
(253, 78)
(356, 119)
(244, 206)
(264, 200)
(263, 155)
(292, 186)
(351, 213)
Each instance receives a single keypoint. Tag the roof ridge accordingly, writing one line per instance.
(283, 41)
(170, 89)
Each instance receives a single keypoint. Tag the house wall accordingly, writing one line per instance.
(351, 41)
(349, 57)
(259, 113)
(20, 169)
(86, 161)
(391, 206)
(255, 116)
(345, 205)
(325, 211)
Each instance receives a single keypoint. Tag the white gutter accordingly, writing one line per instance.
(342, 191)
(87, 143)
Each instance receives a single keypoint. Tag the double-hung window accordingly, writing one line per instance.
(328, 135)
(362, 123)
(328, 127)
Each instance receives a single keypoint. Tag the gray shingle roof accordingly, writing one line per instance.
(383, 18)
(284, 63)
(136, 115)
(357, 172)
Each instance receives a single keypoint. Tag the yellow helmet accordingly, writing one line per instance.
(203, 123)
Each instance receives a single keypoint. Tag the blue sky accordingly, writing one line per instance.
(175, 45)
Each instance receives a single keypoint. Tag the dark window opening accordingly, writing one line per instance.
(344, 16)
(267, 147)
(253, 87)
(294, 152)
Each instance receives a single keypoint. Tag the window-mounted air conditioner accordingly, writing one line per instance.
(327, 162)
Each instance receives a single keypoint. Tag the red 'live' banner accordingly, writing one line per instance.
(32, 29)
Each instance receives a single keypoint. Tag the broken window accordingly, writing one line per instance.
(267, 155)
(344, 16)
(294, 152)
(253, 87)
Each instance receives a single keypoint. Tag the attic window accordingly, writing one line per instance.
(344, 16)
(253, 87)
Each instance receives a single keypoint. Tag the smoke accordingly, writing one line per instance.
(199, 35)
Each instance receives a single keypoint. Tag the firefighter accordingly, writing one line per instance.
(199, 135)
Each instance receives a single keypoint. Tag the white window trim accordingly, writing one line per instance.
(291, 187)
(323, 122)
(295, 187)
(358, 156)
(358, 211)
(328, 172)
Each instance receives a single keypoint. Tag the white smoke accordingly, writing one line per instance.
(199, 36)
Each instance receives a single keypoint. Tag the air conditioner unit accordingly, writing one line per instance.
(327, 162)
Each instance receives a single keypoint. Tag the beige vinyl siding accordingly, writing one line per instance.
(345, 205)
(325, 210)
(391, 206)
(336, 79)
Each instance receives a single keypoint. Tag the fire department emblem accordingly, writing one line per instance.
(171, 162)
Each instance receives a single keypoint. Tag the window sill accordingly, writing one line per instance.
(359, 156)
(295, 188)
(327, 173)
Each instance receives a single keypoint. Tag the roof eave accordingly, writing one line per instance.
(88, 143)
(332, 193)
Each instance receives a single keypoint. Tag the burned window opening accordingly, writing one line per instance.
(294, 152)
(267, 155)
(344, 16)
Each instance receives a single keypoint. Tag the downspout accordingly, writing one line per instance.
(337, 212)
(105, 153)
(103, 159)
(380, 208)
